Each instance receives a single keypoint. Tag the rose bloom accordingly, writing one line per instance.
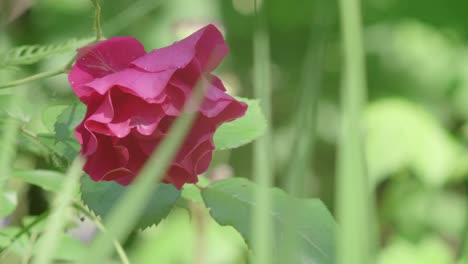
(133, 97)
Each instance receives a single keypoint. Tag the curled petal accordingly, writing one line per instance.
(103, 58)
(143, 84)
(206, 46)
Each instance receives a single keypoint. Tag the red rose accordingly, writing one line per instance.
(132, 98)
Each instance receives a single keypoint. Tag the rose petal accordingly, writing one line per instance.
(107, 158)
(109, 56)
(142, 84)
(103, 58)
(207, 46)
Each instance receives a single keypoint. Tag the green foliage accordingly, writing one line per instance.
(178, 240)
(69, 249)
(231, 202)
(412, 209)
(68, 120)
(61, 145)
(430, 250)
(243, 130)
(51, 114)
(46, 179)
(8, 202)
(101, 197)
(413, 140)
(30, 54)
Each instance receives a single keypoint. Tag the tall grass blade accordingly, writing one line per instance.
(263, 167)
(352, 187)
(8, 143)
(60, 212)
(303, 145)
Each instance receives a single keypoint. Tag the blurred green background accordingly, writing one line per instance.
(416, 119)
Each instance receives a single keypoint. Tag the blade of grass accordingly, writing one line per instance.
(130, 15)
(24, 230)
(125, 214)
(352, 187)
(263, 170)
(304, 126)
(118, 247)
(8, 142)
(59, 214)
(32, 78)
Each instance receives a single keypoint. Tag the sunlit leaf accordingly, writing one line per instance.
(8, 202)
(46, 179)
(430, 250)
(401, 135)
(243, 130)
(50, 115)
(68, 120)
(232, 203)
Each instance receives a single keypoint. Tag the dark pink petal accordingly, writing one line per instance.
(104, 114)
(206, 46)
(109, 56)
(179, 176)
(199, 159)
(133, 112)
(105, 160)
(103, 58)
(143, 84)
(201, 131)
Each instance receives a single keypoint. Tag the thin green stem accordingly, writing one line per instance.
(25, 230)
(353, 196)
(263, 167)
(118, 247)
(31, 78)
(97, 19)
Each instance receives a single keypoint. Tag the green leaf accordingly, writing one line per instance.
(30, 54)
(412, 139)
(8, 202)
(68, 120)
(69, 249)
(63, 144)
(243, 130)
(47, 180)
(100, 197)
(50, 115)
(63, 151)
(429, 250)
(232, 203)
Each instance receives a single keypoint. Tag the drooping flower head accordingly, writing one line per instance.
(133, 97)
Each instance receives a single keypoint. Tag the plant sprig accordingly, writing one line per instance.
(47, 50)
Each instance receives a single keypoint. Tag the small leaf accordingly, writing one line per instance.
(47, 180)
(412, 139)
(63, 151)
(243, 130)
(8, 202)
(232, 203)
(30, 54)
(68, 250)
(100, 197)
(68, 120)
(50, 115)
